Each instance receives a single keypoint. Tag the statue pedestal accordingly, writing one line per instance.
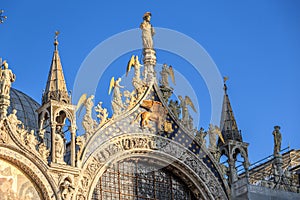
(149, 61)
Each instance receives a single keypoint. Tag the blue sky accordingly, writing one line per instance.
(255, 43)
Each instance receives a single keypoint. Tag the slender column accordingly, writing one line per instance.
(72, 130)
(53, 132)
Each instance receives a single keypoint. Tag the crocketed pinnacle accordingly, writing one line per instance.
(228, 123)
(56, 88)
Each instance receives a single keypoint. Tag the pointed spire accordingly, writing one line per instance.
(228, 123)
(56, 88)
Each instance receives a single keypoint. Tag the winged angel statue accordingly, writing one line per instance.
(137, 83)
(88, 123)
(184, 103)
(165, 73)
(117, 104)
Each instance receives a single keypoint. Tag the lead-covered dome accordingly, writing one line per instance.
(25, 107)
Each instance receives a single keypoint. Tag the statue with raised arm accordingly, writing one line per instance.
(147, 31)
(6, 78)
(277, 140)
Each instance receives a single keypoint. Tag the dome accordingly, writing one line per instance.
(26, 108)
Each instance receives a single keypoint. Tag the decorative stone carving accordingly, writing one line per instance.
(31, 141)
(80, 142)
(168, 127)
(44, 152)
(3, 133)
(102, 114)
(66, 189)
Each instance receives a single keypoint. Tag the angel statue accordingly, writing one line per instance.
(147, 31)
(184, 103)
(6, 78)
(137, 83)
(102, 113)
(165, 73)
(88, 123)
(117, 104)
(213, 131)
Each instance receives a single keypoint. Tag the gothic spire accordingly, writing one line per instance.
(228, 123)
(56, 88)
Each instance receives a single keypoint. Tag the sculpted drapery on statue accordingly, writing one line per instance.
(117, 104)
(6, 78)
(147, 31)
(277, 140)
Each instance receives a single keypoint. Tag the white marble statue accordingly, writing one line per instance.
(147, 31)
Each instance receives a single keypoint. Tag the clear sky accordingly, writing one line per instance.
(256, 43)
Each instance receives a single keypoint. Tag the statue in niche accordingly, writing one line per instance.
(117, 104)
(6, 78)
(147, 31)
(165, 73)
(175, 108)
(277, 140)
(59, 145)
(88, 123)
(13, 119)
(184, 103)
(137, 83)
(102, 114)
(200, 136)
(30, 140)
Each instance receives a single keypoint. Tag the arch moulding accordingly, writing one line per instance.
(192, 170)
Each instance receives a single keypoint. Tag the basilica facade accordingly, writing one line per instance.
(147, 148)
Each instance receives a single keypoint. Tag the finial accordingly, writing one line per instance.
(55, 40)
(2, 17)
(225, 78)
